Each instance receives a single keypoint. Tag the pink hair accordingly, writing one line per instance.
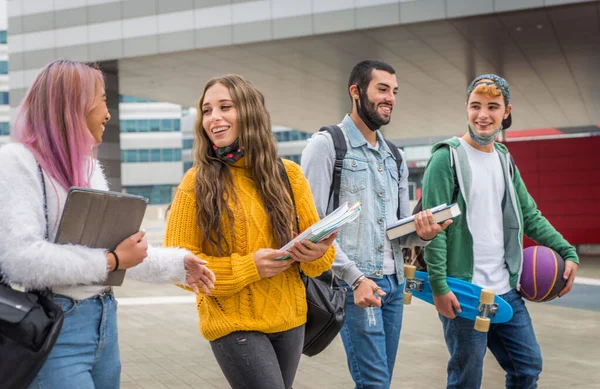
(51, 121)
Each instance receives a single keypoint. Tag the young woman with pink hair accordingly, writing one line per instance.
(58, 127)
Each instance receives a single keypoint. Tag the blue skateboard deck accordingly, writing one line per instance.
(467, 294)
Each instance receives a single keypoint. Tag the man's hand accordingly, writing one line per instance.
(569, 275)
(196, 273)
(367, 294)
(426, 226)
(447, 304)
(267, 263)
(307, 251)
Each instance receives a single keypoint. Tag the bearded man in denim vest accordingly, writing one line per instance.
(367, 262)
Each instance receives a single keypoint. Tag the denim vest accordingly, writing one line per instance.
(370, 175)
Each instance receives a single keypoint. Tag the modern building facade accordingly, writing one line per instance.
(151, 148)
(4, 84)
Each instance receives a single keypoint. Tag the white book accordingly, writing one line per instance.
(328, 225)
(405, 226)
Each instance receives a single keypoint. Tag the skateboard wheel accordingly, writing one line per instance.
(409, 271)
(482, 324)
(407, 298)
(487, 296)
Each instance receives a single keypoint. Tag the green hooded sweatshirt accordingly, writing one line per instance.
(450, 253)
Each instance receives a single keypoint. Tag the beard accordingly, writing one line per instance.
(367, 111)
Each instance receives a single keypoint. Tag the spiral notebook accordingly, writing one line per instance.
(100, 219)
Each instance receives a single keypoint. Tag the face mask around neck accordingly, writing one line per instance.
(231, 153)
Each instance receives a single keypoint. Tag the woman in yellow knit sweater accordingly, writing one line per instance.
(233, 210)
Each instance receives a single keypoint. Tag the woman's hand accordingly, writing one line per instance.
(131, 251)
(196, 273)
(307, 251)
(267, 263)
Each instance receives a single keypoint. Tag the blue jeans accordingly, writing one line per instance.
(371, 336)
(513, 344)
(86, 354)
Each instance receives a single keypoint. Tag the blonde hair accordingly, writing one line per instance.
(487, 89)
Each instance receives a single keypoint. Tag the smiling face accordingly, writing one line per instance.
(219, 116)
(381, 96)
(486, 109)
(97, 118)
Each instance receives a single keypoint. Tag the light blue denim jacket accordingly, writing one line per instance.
(369, 175)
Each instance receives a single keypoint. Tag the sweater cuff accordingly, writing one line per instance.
(438, 285)
(351, 274)
(245, 270)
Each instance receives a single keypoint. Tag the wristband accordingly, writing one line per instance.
(358, 281)
(116, 260)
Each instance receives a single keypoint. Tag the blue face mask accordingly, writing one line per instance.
(483, 140)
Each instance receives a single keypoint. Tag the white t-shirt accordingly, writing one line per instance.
(484, 217)
(389, 265)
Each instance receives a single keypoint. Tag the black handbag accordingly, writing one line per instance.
(325, 298)
(326, 301)
(30, 323)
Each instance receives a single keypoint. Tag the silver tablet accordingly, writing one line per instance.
(100, 219)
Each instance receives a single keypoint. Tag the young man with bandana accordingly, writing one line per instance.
(368, 263)
(485, 244)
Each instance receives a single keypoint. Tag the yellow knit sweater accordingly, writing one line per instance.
(241, 300)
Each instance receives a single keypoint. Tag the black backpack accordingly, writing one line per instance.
(340, 146)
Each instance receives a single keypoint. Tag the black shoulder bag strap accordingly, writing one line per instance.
(340, 146)
(47, 236)
(286, 181)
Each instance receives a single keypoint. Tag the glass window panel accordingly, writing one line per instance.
(155, 155)
(143, 125)
(131, 156)
(154, 125)
(131, 125)
(144, 155)
(166, 125)
(177, 123)
(177, 154)
(167, 155)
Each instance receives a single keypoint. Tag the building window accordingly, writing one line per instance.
(187, 166)
(4, 129)
(188, 144)
(156, 194)
(151, 155)
(295, 158)
(154, 125)
(3, 67)
(133, 99)
(291, 135)
(3, 98)
(3, 36)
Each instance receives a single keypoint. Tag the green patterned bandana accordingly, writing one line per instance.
(231, 153)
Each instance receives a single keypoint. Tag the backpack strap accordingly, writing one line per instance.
(398, 158)
(340, 146)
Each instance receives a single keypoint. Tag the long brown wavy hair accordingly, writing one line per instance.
(214, 185)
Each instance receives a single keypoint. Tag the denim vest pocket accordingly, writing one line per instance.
(354, 175)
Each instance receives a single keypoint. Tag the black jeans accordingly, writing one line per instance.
(255, 360)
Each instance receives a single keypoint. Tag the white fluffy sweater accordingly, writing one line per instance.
(29, 260)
